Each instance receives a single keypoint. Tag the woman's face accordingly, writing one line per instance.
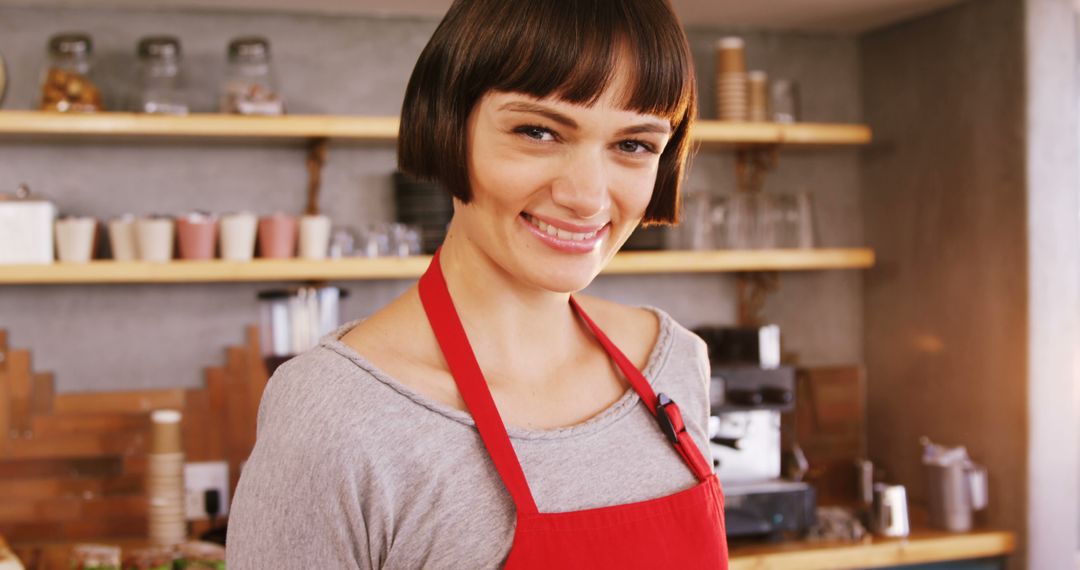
(557, 187)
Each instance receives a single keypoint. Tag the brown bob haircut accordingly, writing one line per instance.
(542, 48)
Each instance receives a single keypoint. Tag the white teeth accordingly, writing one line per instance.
(556, 232)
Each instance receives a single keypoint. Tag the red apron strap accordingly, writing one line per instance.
(470, 381)
(666, 411)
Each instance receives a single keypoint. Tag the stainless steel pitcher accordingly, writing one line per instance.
(956, 491)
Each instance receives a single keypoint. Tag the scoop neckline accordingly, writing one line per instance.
(609, 415)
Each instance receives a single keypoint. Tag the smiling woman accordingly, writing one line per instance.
(486, 417)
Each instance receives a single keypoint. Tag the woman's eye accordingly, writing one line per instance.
(635, 147)
(536, 133)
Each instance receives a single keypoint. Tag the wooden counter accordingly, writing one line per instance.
(923, 546)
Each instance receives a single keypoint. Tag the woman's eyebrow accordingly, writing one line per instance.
(657, 128)
(525, 107)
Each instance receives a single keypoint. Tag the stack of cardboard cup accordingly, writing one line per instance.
(732, 96)
(758, 95)
(165, 480)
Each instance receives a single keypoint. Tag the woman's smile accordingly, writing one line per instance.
(563, 236)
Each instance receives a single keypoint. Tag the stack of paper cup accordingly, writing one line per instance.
(122, 238)
(165, 480)
(238, 236)
(154, 238)
(314, 236)
(75, 239)
(758, 95)
(731, 81)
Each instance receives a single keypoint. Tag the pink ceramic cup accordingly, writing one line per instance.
(196, 235)
(277, 236)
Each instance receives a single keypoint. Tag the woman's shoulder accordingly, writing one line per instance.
(313, 388)
(650, 332)
(635, 330)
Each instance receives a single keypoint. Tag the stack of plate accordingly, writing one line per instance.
(165, 480)
(423, 204)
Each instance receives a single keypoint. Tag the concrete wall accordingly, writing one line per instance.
(133, 336)
(970, 203)
(1053, 209)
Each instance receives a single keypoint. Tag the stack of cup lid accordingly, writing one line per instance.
(165, 480)
(758, 95)
(732, 97)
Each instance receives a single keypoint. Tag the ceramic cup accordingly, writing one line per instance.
(196, 234)
(75, 239)
(238, 236)
(154, 236)
(314, 237)
(277, 236)
(122, 238)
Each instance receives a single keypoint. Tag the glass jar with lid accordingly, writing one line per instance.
(250, 87)
(160, 87)
(67, 83)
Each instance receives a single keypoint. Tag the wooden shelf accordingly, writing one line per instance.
(724, 133)
(370, 129)
(353, 269)
(36, 123)
(921, 547)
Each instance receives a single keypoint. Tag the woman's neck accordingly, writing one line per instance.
(511, 325)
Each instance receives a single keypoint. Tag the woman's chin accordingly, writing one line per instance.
(564, 279)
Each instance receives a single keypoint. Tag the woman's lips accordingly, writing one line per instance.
(562, 240)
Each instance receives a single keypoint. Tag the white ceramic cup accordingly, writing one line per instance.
(314, 236)
(75, 239)
(238, 236)
(122, 238)
(154, 236)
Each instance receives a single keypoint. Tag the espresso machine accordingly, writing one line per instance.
(750, 390)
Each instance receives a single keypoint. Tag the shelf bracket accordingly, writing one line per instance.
(316, 158)
(753, 288)
(751, 165)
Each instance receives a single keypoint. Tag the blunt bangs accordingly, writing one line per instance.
(569, 49)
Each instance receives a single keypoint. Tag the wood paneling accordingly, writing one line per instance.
(72, 466)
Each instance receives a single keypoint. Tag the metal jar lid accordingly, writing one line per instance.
(22, 195)
(249, 48)
(159, 47)
(71, 44)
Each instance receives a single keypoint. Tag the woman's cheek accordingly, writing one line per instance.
(638, 192)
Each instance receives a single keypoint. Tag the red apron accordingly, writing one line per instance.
(683, 530)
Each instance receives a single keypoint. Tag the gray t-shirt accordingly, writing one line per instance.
(352, 469)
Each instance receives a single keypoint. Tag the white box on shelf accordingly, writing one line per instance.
(26, 231)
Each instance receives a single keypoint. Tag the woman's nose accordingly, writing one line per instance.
(583, 186)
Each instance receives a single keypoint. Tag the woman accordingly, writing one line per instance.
(487, 416)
